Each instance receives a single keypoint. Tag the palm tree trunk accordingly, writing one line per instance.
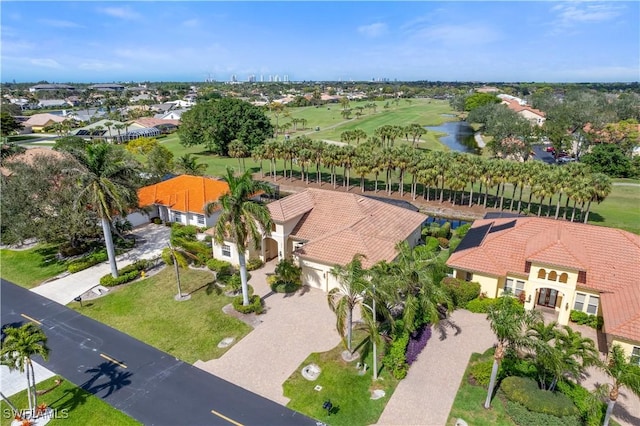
(586, 216)
(513, 197)
(492, 383)
(607, 416)
(29, 394)
(111, 252)
(558, 207)
(573, 213)
(520, 198)
(540, 206)
(471, 195)
(486, 195)
(33, 384)
(566, 208)
(349, 327)
(243, 276)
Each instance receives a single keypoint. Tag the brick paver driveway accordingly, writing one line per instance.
(426, 395)
(293, 327)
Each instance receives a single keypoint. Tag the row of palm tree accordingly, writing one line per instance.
(465, 178)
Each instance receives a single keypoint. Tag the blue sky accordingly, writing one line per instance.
(446, 41)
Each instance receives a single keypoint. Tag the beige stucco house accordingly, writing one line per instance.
(560, 267)
(319, 229)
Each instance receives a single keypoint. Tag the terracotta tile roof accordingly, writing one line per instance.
(43, 119)
(515, 106)
(336, 225)
(608, 259)
(183, 193)
(153, 122)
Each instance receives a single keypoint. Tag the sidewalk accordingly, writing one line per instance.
(151, 240)
(12, 382)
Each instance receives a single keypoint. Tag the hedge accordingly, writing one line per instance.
(254, 306)
(461, 292)
(254, 263)
(220, 267)
(584, 318)
(523, 417)
(395, 359)
(481, 372)
(525, 391)
(591, 408)
(126, 274)
(481, 305)
(87, 261)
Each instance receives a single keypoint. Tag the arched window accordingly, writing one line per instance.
(564, 277)
(553, 276)
(542, 274)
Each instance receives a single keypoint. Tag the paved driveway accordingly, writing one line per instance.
(151, 239)
(426, 395)
(293, 327)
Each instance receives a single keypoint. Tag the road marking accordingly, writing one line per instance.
(31, 319)
(107, 357)
(222, 416)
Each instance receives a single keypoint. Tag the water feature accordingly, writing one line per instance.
(458, 137)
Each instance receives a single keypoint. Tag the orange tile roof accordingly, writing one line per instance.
(514, 105)
(335, 225)
(609, 259)
(183, 193)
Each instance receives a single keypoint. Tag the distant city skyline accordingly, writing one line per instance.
(89, 42)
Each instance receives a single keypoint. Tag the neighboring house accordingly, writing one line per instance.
(180, 199)
(54, 103)
(319, 229)
(180, 103)
(107, 87)
(37, 122)
(559, 266)
(171, 115)
(535, 116)
(100, 130)
(50, 87)
(165, 126)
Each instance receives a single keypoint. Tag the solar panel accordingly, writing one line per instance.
(474, 237)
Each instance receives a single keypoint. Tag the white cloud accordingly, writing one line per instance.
(191, 23)
(120, 12)
(373, 30)
(58, 23)
(465, 34)
(577, 12)
(45, 62)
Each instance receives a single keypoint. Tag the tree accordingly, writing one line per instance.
(19, 346)
(159, 162)
(188, 164)
(216, 123)
(507, 320)
(241, 218)
(344, 298)
(479, 99)
(609, 159)
(105, 185)
(622, 374)
(8, 124)
(237, 149)
(180, 259)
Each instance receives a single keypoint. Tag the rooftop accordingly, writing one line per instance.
(183, 193)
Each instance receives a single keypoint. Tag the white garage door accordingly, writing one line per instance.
(312, 277)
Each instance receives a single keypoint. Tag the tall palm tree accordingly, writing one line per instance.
(188, 164)
(600, 188)
(622, 374)
(507, 321)
(18, 347)
(237, 149)
(241, 218)
(344, 298)
(106, 179)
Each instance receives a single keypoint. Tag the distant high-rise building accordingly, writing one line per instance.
(285, 78)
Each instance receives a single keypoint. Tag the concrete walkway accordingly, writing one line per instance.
(426, 395)
(293, 327)
(12, 382)
(150, 240)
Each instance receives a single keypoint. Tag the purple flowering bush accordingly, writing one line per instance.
(417, 342)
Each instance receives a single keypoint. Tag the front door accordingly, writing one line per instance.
(548, 297)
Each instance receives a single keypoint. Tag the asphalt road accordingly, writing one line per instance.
(145, 383)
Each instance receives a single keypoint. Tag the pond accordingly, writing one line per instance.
(459, 136)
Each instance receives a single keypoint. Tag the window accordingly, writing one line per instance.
(226, 250)
(635, 355)
(542, 274)
(564, 277)
(578, 305)
(273, 227)
(200, 219)
(469, 276)
(513, 287)
(553, 275)
(177, 217)
(592, 307)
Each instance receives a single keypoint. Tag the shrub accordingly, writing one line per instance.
(481, 372)
(139, 265)
(417, 342)
(443, 242)
(453, 244)
(288, 272)
(254, 306)
(462, 230)
(583, 318)
(254, 263)
(516, 366)
(525, 391)
(234, 282)
(445, 230)
(167, 258)
(395, 360)
(461, 292)
(109, 281)
(431, 244)
(523, 417)
(591, 408)
(180, 231)
(87, 261)
(480, 305)
(220, 267)
(156, 220)
(198, 249)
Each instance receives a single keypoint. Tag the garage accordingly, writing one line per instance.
(313, 277)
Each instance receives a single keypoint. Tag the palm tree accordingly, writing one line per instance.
(600, 189)
(241, 219)
(507, 320)
(105, 179)
(18, 347)
(237, 149)
(119, 127)
(188, 164)
(344, 298)
(108, 125)
(623, 374)
(179, 259)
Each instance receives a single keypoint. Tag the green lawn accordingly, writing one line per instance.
(621, 209)
(469, 402)
(146, 310)
(73, 405)
(29, 268)
(341, 384)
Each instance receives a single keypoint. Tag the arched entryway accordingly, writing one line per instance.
(270, 247)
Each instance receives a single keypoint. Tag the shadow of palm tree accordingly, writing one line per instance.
(70, 399)
(443, 325)
(106, 377)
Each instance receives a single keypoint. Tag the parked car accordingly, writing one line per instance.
(550, 149)
(565, 159)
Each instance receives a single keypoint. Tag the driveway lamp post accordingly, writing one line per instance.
(78, 299)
